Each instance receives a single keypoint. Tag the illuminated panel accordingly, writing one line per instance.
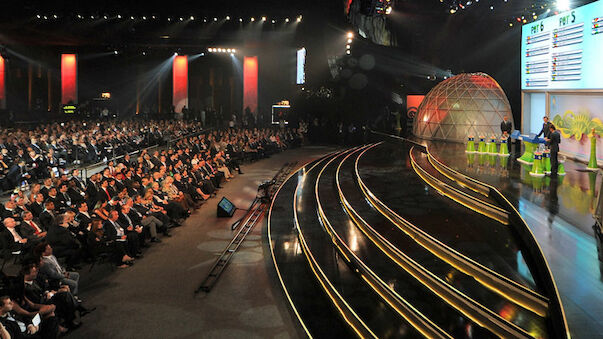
(250, 83)
(180, 74)
(2, 83)
(68, 78)
(301, 66)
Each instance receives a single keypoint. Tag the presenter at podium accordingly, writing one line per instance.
(546, 128)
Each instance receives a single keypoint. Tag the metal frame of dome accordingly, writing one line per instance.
(466, 104)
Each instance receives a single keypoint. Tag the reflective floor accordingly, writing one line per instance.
(560, 216)
(329, 243)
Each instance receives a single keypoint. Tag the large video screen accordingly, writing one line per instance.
(564, 51)
(301, 66)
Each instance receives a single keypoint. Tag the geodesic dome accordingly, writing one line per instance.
(467, 104)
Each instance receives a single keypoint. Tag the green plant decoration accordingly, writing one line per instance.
(577, 125)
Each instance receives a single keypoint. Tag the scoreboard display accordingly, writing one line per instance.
(564, 51)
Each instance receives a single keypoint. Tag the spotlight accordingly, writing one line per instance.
(192, 17)
(263, 18)
(144, 18)
(240, 19)
(350, 35)
(215, 19)
(349, 41)
(234, 50)
(45, 17)
(38, 16)
(273, 21)
(175, 53)
(231, 54)
(299, 18)
(105, 17)
(118, 16)
(92, 17)
(144, 53)
(181, 19)
(348, 52)
(169, 19)
(154, 17)
(55, 16)
(115, 52)
(348, 46)
(287, 20)
(229, 50)
(252, 19)
(388, 10)
(132, 18)
(563, 5)
(227, 17)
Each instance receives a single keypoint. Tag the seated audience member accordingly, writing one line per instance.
(115, 232)
(98, 243)
(12, 239)
(17, 325)
(64, 243)
(52, 270)
(48, 217)
(66, 305)
(30, 228)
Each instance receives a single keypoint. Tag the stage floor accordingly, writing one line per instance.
(559, 213)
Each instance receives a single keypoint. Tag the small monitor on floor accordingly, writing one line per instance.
(225, 208)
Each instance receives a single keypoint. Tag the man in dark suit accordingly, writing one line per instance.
(506, 127)
(37, 206)
(64, 242)
(30, 228)
(546, 128)
(19, 327)
(553, 141)
(47, 217)
(114, 231)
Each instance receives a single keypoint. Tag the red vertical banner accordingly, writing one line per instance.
(180, 86)
(68, 78)
(2, 83)
(250, 83)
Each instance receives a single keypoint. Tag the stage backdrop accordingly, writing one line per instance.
(250, 83)
(180, 86)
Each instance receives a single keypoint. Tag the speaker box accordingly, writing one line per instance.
(225, 208)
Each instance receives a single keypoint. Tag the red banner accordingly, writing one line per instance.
(68, 78)
(180, 78)
(2, 83)
(250, 83)
(412, 105)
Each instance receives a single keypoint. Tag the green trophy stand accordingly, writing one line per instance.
(537, 170)
(492, 146)
(546, 160)
(470, 145)
(504, 150)
(592, 162)
(482, 145)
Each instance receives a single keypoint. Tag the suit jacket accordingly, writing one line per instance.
(36, 209)
(111, 231)
(61, 239)
(50, 270)
(545, 130)
(48, 220)
(506, 127)
(28, 231)
(84, 221)
(554, 141)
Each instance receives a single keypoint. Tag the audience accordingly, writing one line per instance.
(67, 220)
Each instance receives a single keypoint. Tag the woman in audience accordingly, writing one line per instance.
(98, 243)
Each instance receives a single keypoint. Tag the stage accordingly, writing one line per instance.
(376, 240)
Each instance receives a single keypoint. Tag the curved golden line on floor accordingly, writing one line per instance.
(473, 310)
(526, 227)
(482, 207)
(345, 310)
(494, 281)
(271, 244)
(406, 310)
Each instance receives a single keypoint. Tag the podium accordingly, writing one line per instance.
(531, 144)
